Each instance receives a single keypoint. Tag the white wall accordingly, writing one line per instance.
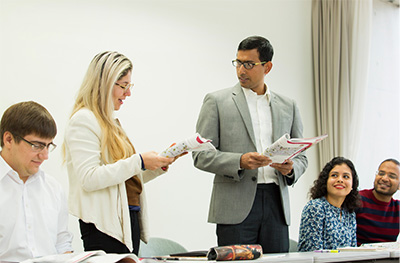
(181, 50)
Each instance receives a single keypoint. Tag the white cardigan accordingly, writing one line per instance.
(97, 192)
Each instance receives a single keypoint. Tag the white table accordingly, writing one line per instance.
(395, 254)
(350, 256)
(286, 257)
(314, 257)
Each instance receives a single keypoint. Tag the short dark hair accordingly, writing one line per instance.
(319, 189)
(25, 118)
(263, 46)
(390, 160)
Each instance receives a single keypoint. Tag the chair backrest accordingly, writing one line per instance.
(292, 245)
(158, 246)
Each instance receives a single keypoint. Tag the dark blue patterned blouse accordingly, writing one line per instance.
(322, 227)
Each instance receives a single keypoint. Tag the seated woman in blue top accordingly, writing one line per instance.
(328, 220)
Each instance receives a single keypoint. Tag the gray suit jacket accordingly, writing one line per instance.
(225, 119)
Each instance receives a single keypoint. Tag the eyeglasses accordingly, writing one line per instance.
(247, 65)
(39, 146)
(390, 175)
(125, 88)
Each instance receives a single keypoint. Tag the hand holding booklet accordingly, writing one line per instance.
(193, 143)
(286, 148)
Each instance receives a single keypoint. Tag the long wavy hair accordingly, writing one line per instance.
(319, 189)
(95, 94)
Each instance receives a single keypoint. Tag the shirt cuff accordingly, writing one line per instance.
(290, 175)
(144, 169)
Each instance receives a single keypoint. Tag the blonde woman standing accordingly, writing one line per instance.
(105, 173)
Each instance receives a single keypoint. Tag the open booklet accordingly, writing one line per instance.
(286, 148)
(97, 256)
(385, 246)
(193, 143)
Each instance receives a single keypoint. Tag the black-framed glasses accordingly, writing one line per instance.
(383, 173)
(125, 88)
(39, 146)
(247, 65)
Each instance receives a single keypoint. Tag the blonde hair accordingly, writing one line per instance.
(95, 94)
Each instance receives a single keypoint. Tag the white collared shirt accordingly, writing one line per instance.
(261, 118)
(33, 216)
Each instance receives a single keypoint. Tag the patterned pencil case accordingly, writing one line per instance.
(235, 252)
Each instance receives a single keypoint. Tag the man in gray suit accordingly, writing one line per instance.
(250, 199)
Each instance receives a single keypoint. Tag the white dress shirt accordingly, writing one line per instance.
(261, 118)
(33, 216)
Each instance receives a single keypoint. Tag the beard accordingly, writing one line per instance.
(388, 192)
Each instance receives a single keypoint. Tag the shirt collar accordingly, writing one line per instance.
(6, 169)
(252, 94)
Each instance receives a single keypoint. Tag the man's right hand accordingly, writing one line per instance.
(253, 160)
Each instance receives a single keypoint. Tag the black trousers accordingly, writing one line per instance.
(94, 239)
(265, 224)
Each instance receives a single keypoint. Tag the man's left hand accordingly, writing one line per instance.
(284, 168)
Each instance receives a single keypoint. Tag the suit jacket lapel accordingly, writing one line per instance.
(241, 103)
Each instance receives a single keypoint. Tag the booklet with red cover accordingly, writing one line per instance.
(286, 148)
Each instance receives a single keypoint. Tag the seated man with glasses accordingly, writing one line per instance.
(379, 215)
(33, 206)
